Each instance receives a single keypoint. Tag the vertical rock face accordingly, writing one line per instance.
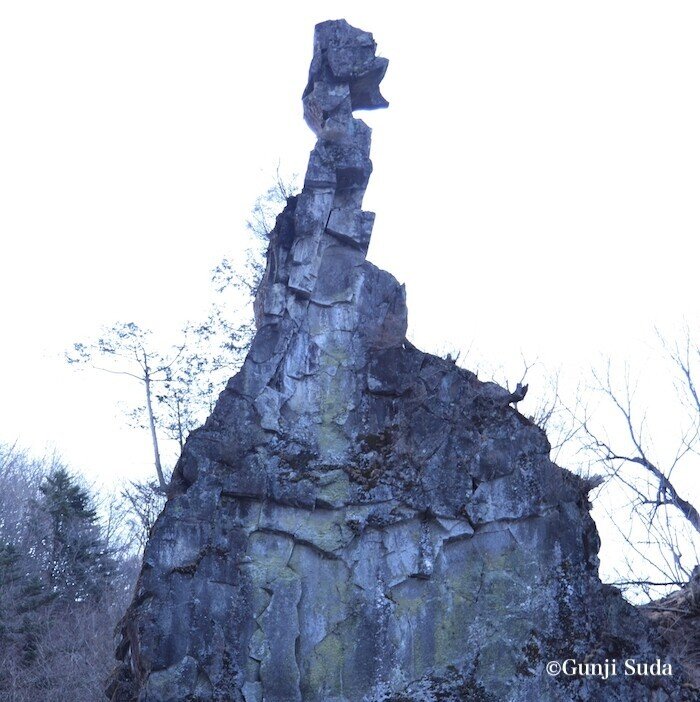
(358, 520)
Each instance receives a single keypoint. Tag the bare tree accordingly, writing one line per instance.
(228, 274)
(653, 513)
(126, 349)
(142, 503)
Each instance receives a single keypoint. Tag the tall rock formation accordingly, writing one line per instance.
(359, 520)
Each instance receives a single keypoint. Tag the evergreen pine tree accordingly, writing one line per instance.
(10, 575)
(78, 564)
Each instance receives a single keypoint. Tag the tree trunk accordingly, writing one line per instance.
(668, 489)
(180, 432)
(152, 424)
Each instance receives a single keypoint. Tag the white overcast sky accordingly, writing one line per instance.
(536, 179)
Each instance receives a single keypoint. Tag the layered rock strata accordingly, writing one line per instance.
(359, 520)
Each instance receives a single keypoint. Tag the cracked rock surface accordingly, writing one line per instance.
(359, 520)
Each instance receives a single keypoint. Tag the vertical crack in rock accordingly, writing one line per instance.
(357, 520)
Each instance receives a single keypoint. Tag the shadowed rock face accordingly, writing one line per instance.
(359, 520)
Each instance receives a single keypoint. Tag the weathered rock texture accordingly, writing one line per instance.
(359, 520)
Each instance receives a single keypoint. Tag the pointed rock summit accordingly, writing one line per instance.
(357, 520)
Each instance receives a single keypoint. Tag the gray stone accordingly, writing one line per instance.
(359, 521)
(351, 226)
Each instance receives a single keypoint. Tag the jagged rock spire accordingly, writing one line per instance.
(359, 521)
(344, 76)
(321, 306)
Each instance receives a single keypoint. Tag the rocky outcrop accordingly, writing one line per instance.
(359, 520)
(677, 617)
